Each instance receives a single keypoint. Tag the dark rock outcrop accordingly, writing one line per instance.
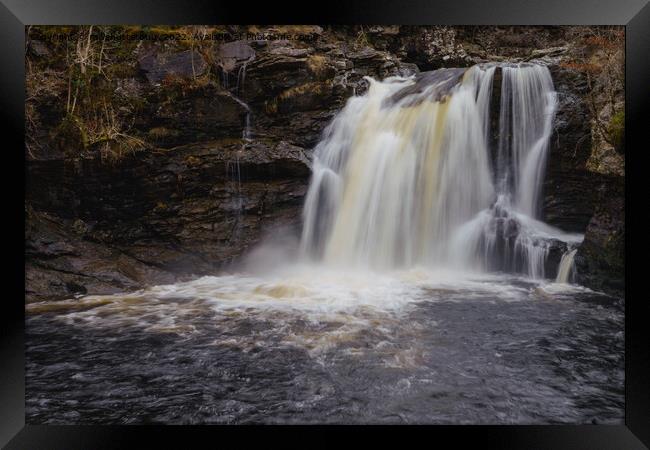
(569, 187)
(187, 210)
(442, 80)
(194, 114)
(158, 66)
(600, 260)
(62, 264)
(232, 55)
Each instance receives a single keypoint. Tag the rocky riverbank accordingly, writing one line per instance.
(157, 159)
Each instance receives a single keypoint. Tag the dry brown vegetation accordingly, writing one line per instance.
(81, 81)
(79, 74)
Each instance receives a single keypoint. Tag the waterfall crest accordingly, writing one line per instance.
(404, 174)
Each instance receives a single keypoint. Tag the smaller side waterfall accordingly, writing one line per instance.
(233, 167)
(241, 77)
(528, 103)
(566, 271)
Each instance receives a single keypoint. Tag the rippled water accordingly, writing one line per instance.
(310, 345)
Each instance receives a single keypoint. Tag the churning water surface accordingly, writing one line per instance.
(311, 345)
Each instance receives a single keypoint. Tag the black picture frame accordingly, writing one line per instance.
(634, 14)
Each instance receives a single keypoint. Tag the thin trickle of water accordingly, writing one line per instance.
(233, 169)
(235, 172)
(246, 129)
(224, 79)
(241, 77)
(246, 133)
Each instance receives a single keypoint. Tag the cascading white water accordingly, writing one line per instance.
(403, 174)
(527, 109)
(566, 269)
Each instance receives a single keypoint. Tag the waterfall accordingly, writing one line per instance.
(241, 77)
(526, 119)
(566, 270)
(403, 175)
(235, 171)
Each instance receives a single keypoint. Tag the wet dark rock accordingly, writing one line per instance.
(194, 114)
(366, 58)
(600, 260)
(284, 48)
(432, 47)
(160, 65)
(569, 187)
(507, 253)
(556, 249)
(232, 54)
(59, 264)
(270, 74)
(440, 82)
(38, 48)
(182, 211)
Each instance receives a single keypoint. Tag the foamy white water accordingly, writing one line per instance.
(566, 270)
(390, 179)
(403, 175)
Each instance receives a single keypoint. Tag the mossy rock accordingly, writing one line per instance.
(122, 70)
(321, 67)
(305, 97)
(161, 133)
(616, 131)
(69, 137)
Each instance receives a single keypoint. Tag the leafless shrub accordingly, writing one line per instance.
(108, 132)
(39, 84)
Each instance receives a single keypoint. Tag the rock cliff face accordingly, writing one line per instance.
(600, 261)
(152, 159)
(181, 210)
